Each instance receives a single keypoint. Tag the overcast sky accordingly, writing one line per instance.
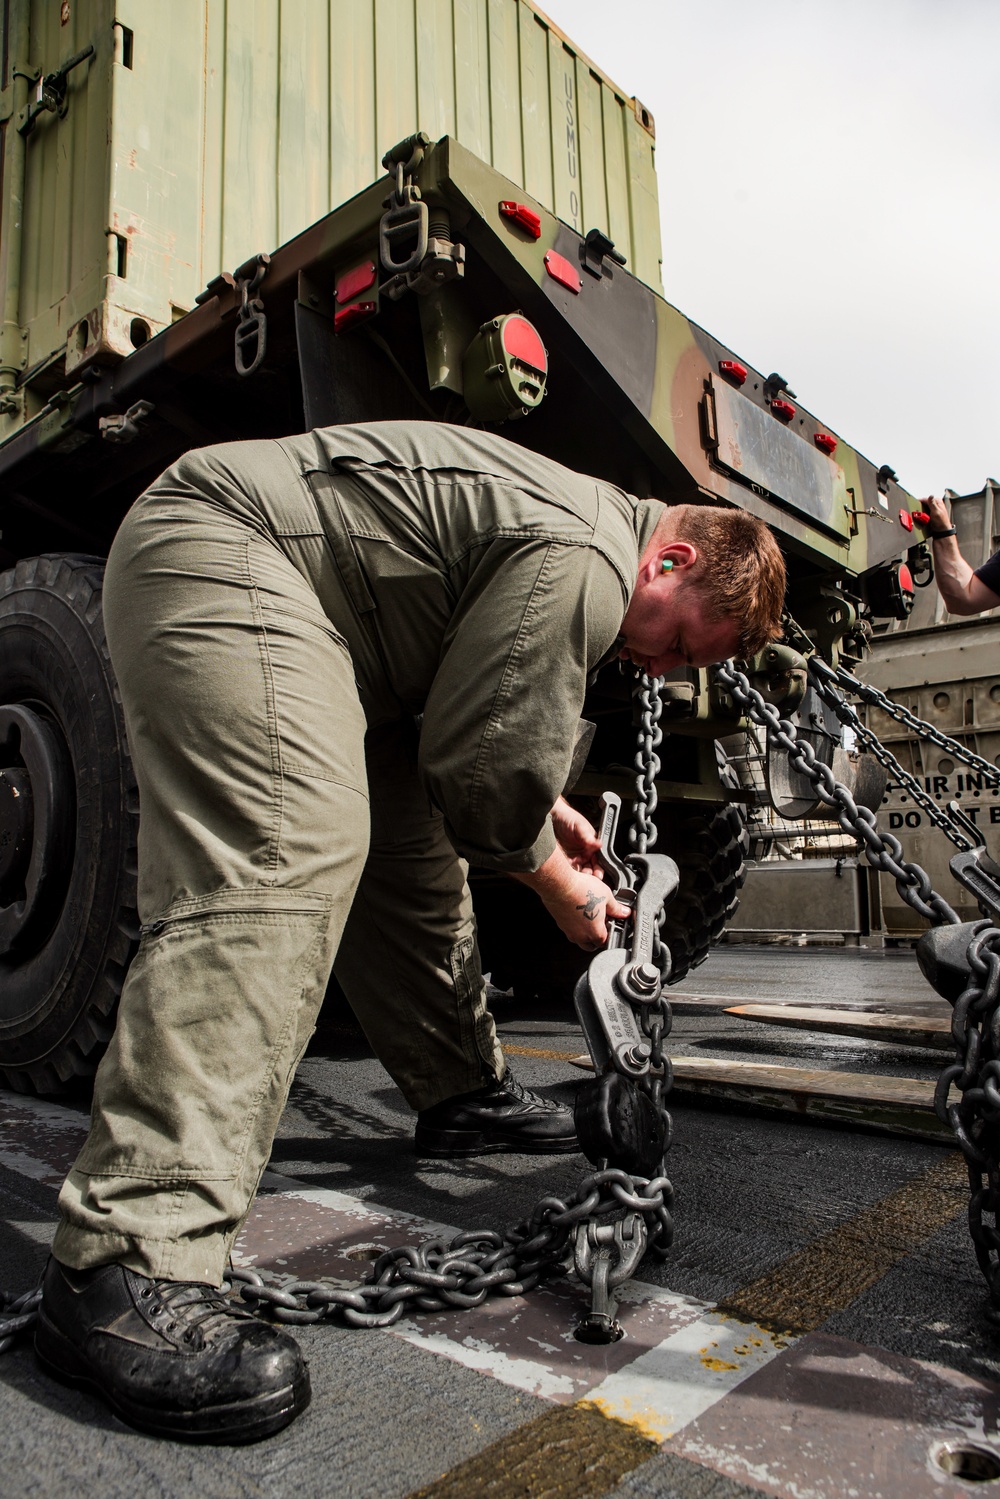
(829, 178)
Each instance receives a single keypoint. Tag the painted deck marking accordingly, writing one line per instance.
(681, 1357)
(572, 1451)
(834, 1270)
(672, 1385)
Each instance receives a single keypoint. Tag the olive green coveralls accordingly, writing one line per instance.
(269, 605)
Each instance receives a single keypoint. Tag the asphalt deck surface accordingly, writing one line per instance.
(817, 1329)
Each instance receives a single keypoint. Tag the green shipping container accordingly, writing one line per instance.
(197, 133)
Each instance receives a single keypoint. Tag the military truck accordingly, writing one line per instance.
(503, 270)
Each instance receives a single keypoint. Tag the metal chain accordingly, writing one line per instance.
(975, 1074)
(17, 1314)
(875, 698)
(823, 679)
(655, 1019)
(975, 1118)
(642, 833)
(442, 1274)
(883, 851)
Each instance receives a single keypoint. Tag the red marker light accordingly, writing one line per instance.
(522, 342)
(560, 270)
(348, 316)
(906, 520)
(905, 578)
(825, 443)
(921, 517)
(733, 370)
(783, 410)
(353, 282)
(527, 218)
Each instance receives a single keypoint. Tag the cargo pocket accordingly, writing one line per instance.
(218, 1006)
(476, 1029)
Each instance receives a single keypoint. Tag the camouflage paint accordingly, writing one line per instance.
(624, 337)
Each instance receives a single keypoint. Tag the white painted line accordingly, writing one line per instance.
(671, 1385)
(277, 1185)
(536, 1378)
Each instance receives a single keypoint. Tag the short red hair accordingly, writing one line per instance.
(740, 571)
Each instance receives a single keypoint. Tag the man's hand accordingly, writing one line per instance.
(576, 838)
(940, 520)
(579, 903)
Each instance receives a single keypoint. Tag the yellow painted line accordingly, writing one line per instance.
(829, 1274)
(572, 1452)
(537, 1051)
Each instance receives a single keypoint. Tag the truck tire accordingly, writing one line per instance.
(711, 849)
(69, 817)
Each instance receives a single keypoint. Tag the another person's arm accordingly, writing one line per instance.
(962, 589)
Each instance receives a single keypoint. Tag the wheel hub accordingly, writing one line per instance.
(17, 825)
(36, 799)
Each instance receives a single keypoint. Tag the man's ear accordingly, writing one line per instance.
(680, 554)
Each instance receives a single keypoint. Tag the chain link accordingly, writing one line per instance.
(875, 698)
(17, 1314)
(883, 851)
(655, 1019)
(975, 1117)
(824, 678)
(460, 1273)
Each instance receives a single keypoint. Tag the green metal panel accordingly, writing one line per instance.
(505, 73)
(201, 132)
(535, 113)
(590, 141)
(619, 227)
(436, 73)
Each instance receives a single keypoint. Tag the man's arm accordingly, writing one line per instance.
(958, 585)
(499, 723)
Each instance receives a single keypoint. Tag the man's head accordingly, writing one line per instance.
(711, 584)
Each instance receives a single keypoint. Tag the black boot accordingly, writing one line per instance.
(501, 1116)
(171, 1357)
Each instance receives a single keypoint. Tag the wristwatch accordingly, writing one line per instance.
(940, 535)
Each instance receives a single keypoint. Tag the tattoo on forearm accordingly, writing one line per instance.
(591, 906)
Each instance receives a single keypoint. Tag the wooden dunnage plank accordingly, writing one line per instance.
(904, 1030)
(895, 1105)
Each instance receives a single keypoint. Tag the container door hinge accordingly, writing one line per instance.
(50, 93)
(13, 359)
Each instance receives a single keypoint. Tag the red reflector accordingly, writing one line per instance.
(520, 213)
(783, 410)
(825, 443)
(522, 342)
(560, 270)
(733, 370)
(905, 578)
(921, 517)
(348, 316)
(906, 520)
(352, 283)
